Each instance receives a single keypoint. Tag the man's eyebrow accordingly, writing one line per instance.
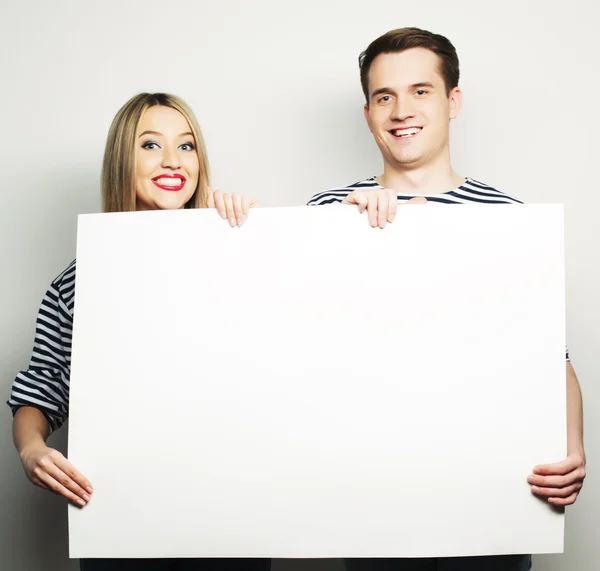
(382, 90)
(160, 134)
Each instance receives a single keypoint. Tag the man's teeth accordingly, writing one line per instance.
(405, 132)
(169, 181)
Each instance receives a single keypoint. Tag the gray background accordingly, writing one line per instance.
(276, 91)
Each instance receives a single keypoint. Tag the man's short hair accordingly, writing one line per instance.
(405, 39)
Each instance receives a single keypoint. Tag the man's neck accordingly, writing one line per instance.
(420, 181)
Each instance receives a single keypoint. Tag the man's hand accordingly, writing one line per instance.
(381, 204)
(231, 207)
(49, 469)
(559, 483)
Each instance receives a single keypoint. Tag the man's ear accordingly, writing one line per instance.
(367, 116)
(455, 102)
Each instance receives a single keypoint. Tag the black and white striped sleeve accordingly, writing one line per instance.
(45, 383)
(336, 195)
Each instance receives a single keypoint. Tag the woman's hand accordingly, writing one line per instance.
(49, 469)
(231, 207)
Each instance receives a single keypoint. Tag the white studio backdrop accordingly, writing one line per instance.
(276, 90)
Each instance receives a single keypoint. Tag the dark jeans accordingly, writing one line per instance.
(175, 564)
(494, 563)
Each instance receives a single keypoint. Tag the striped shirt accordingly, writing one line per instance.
(470, 191)
(45, 384)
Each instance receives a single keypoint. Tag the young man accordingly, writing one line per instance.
(410, 81)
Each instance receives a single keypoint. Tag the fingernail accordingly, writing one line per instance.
(240, 222)
(391, 218)
(90, 490)
(81, 502)
(232, 222)
(535, 489)
(222, 214)
(531, 479)
(86, 498)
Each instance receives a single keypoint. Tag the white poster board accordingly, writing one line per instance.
(307, 386)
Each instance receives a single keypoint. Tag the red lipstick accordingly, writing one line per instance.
(170, 176)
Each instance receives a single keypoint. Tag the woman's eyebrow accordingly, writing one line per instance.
(160, 134)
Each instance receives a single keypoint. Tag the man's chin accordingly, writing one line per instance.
(406, 160)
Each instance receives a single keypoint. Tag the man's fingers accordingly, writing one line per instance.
(557, 481)
(372, 210)
(54, 486)
(357, 197)
(363, 202)
(564, 501)
(352, 198)
(392, 205)
(558, 468)
(560, 482)
(382, 209)
(381, 205)
(556, 492)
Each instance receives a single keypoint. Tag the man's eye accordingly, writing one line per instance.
(421, 92)
(385, 99)
(150, 145)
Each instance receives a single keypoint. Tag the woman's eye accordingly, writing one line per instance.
(150, 145)
(187, 147)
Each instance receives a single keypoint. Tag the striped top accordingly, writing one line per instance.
(470, 191)
(45, 384)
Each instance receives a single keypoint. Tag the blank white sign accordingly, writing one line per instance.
(307, 386)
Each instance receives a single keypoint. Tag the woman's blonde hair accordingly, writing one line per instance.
(118, 166)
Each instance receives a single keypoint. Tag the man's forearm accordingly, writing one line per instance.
(574, 414)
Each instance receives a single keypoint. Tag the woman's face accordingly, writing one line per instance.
(166, 162)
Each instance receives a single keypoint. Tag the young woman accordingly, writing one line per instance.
(154, 159)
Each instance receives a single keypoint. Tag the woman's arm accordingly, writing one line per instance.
(44, 466)
(40, 395)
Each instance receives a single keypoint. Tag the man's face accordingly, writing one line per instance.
(409, 110)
